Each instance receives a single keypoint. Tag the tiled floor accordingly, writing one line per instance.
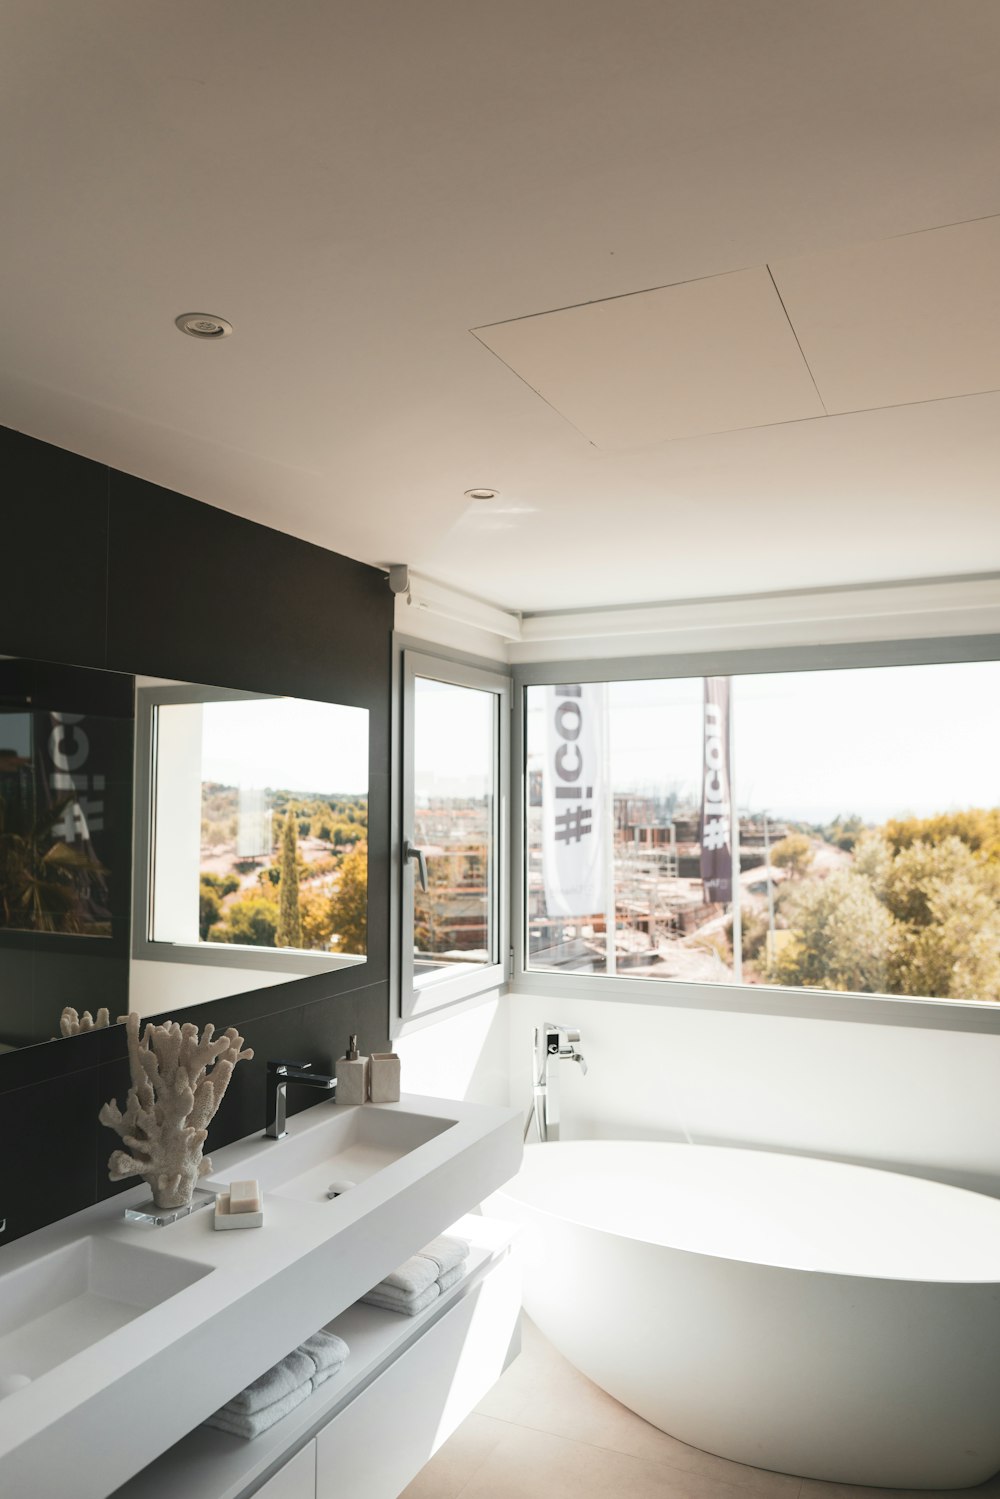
(546, 1432)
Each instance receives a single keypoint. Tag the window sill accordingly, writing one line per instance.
(981, 1017)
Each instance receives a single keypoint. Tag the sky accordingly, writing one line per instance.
(290, 744)
(452, 740)
(880, 742)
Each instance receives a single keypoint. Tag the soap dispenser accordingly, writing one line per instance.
(352, 1076)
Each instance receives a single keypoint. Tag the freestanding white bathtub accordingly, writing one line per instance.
(825, 1320)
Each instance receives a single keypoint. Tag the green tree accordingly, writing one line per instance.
(911, 916)
(794, 853)
(349, 903)
(253, 922)
(209, 908)
(977, 827)
(317, 920)
(948, 897)
(843, 937)
(915, 877)
(843, 831)
(289, 932)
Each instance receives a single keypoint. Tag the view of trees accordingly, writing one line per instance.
(310, 893)
(915, 911)
(794, 853)
(289, 933)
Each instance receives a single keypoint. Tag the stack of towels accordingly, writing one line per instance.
(282, 1388)
(422, 1278)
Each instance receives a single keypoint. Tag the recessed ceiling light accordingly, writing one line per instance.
(203, 325)
(481, 494)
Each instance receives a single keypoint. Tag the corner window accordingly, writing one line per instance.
(453, 858)
(834, 830)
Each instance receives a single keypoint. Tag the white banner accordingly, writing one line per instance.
(575, 792)
(716, 803)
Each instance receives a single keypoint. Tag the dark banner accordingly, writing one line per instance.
(717, 801)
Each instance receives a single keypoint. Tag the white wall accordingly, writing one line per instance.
(917, 1100)
(465, 1057)
(920, 1101)
(156, 986)
(178, 823)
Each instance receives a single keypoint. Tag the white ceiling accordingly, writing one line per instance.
(915, 318)
(356, 187)
(705, 356)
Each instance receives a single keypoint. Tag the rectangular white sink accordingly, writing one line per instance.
(350, 1144)
(65, 1301)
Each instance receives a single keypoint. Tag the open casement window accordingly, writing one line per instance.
(453, 833)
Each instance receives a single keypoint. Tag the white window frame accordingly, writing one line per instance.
(204, 954)
(812, 1004)
(412, 1008)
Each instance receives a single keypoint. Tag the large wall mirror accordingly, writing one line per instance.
(165, 844)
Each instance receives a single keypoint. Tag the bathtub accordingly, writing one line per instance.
(830, 1321)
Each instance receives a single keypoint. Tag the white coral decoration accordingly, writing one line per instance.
(170, 1103)
(73, 1024)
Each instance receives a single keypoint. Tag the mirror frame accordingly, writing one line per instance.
(143, 947)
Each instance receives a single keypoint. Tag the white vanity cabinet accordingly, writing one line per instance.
(408, 1383)
(384, 1437)
(296, 1480)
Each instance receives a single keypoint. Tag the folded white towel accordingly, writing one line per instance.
(413, 1276)
(446, 1253)
(250, 1424)
(326, 1350)
(283, 1387)
(400, 1301)
(451, 1278)
(293, 1371)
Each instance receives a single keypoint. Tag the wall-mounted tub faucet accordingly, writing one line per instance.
(553, 1044)
(279, 1075)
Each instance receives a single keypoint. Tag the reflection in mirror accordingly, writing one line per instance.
(245, 817)
(258, 855)
(66, 746)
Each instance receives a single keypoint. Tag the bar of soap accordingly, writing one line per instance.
(226, 1218)
(244, 1197)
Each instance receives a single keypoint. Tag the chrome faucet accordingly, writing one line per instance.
(279, 1075)
(552, 1045)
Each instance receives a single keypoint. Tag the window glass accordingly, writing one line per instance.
(835, 830)
(454, 781)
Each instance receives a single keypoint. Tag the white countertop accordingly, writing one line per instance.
(90, 1423)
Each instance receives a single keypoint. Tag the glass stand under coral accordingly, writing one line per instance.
(148, 1212)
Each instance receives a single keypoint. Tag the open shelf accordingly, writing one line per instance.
(211, 1464)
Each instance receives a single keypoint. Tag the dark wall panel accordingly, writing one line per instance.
(138, 579)
(54, 548)
(193, 588)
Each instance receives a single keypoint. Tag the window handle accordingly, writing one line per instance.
(410, 851)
